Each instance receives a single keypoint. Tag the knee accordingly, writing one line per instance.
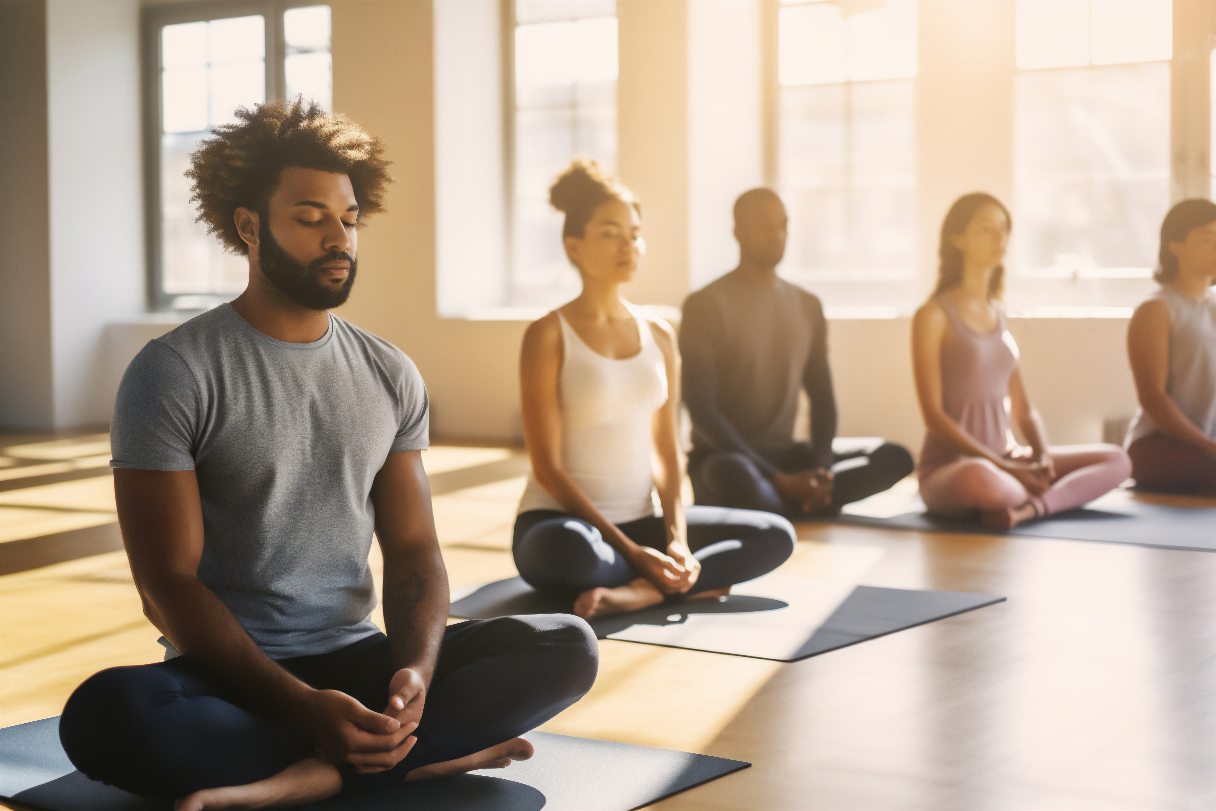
(895, 459)
(556, 554)
(1120, 463)
(571, 649)
(779, 537)
(97, 723)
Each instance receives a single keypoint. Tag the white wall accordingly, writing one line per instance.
(96, 197)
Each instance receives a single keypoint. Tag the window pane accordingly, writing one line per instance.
(1131, 31)
(565, 107)
(882, 40)
(812, 46)
(1091, 169)
(183, 45)
(233, 86)
(307, 29)
(847, 171)
(1052, 33)
(311, 76)
(238, 39)
(184, 100)
(193, 259)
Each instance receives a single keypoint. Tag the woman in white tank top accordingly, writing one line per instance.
(601, 518)
(1171, 342)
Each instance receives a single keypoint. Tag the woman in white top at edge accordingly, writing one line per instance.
(601, 520)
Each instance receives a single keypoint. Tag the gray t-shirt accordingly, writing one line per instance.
(286, 440)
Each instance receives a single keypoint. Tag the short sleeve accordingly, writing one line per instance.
(156, 414)
(414, 430)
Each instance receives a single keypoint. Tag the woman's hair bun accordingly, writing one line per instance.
(582, 183)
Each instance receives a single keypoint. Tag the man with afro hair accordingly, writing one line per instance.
(255, 450)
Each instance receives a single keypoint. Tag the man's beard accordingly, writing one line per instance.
(302, 283)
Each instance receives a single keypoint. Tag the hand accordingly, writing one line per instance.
(406, 698)
(347, 733)
(795, 488)
(808, 490)
(1030, 475)
(678, 551)
(665, 573)
(1047, 465)
(822, 484)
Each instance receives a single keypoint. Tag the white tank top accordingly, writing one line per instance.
(1191, 381)
(607, 411)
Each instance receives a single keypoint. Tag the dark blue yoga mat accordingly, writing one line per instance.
(565, 773)
(778, 617)
(1117, 517)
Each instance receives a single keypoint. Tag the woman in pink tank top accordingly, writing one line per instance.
(973, 399)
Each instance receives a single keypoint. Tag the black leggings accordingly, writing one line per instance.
(171, 728)
(554, 551)
(733, 480)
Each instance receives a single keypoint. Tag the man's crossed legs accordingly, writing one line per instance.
(173, 728)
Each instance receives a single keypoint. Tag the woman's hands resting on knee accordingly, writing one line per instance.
(678, 551)
(663, 571)
(1035, 473)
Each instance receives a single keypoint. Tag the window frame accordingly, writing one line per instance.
(153, 18)
(509, 25)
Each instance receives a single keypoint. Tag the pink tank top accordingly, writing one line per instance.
(976, 367)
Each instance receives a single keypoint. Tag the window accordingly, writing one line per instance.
(205, 67)
(1092, 141)
(846, 140)
(564, 59)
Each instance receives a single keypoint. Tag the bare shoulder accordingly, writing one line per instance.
(929, 315)
(544, 332)
(1154, 311)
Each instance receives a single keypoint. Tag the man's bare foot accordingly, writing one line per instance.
(1008, 517)
(498, 756)
(302, 782)
(598, 602)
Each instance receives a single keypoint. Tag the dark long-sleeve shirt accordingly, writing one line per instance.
(749, 344)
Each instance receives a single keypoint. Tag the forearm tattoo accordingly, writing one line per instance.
(406, 593)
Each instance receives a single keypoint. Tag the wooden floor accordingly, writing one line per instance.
(1092, 687)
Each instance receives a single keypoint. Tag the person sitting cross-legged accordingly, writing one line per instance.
(255, 450)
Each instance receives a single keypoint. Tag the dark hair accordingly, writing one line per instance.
(950, 258)
(240, 164)
(583, 188)
(1181, 220)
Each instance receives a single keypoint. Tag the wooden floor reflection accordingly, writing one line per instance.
(1092, 687)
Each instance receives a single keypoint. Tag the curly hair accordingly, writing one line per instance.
(239, 166)
(581, 189)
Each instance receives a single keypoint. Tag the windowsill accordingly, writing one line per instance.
(158, 318)
(526, 315)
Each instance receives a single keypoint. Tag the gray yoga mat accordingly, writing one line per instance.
(1117, 517)
(778, 617)
(564, 773)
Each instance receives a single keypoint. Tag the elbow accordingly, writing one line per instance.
(547, 474)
